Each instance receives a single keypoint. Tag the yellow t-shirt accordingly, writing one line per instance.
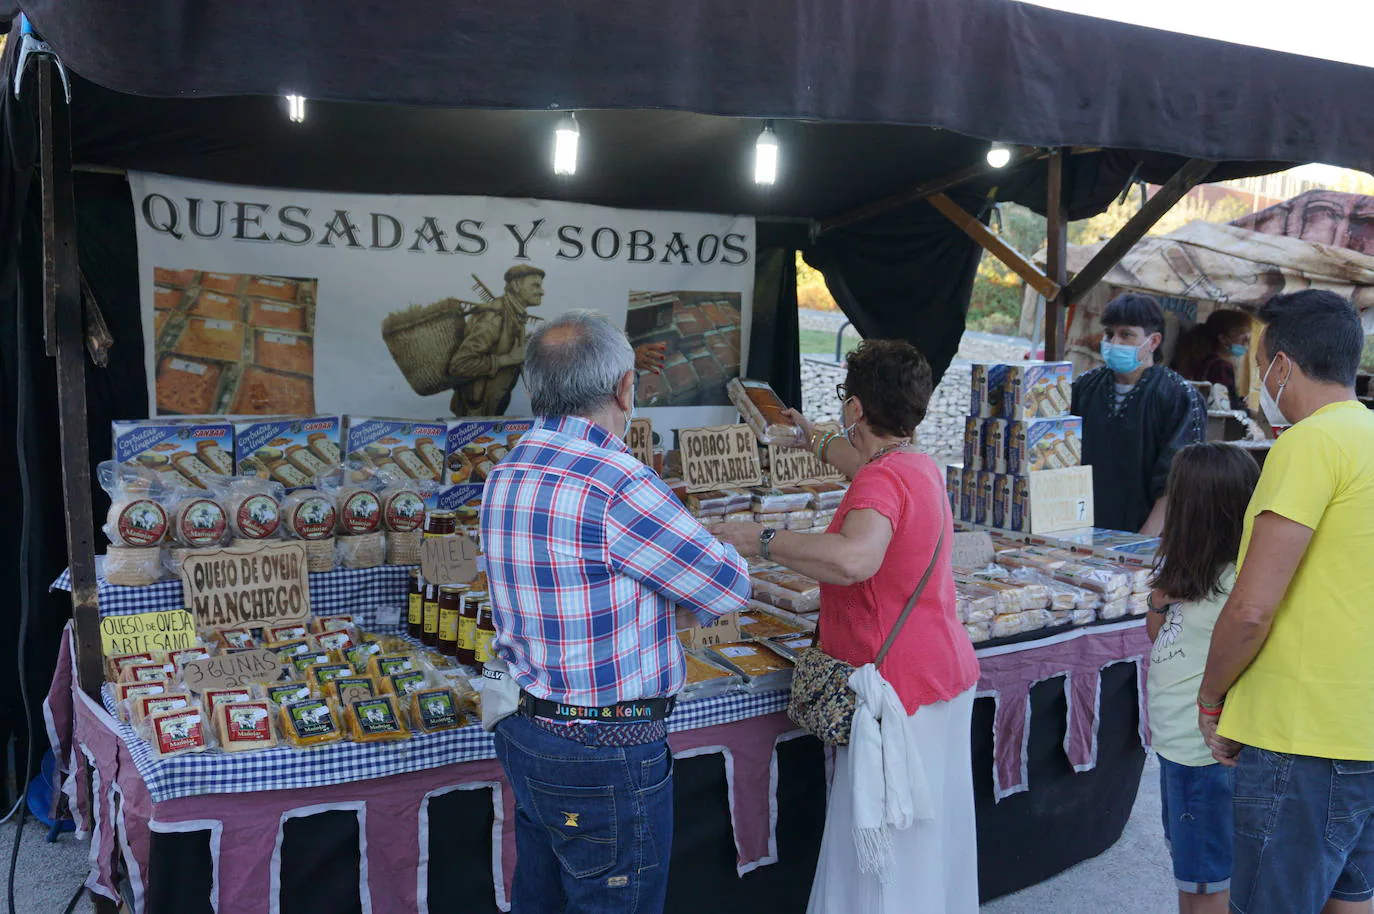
(1310, 690)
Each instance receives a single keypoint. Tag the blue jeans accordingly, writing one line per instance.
(1304, 832)
(593, 825)
(1196, 804)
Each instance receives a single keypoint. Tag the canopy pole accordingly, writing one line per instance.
(1189, 175)
(938, 185)
(1056, 255)
(63, 318)
(994, 245)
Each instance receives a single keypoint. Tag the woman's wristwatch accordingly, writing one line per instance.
(765, 539)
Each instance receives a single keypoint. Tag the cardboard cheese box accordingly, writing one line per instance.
(289, 450)
(1033, 390)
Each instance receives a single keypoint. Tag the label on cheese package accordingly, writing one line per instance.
(435, 709)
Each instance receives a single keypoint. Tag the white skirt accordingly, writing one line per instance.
(936, 860)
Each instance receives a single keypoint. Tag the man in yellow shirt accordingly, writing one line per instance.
(1288, 695)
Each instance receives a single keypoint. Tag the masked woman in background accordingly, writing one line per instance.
(1209, 351)
(892, 843)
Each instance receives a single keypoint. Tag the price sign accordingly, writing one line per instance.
(448, 559)
(722, 631)
(231, 671)
(641, 441)
(790, 466)
(255, 585)
(971, 550)
(721, 455)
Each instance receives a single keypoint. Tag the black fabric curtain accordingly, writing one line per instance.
(774, 341)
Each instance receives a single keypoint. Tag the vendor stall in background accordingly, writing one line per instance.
(203, 220)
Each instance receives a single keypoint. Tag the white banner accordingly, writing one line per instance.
(282, 302)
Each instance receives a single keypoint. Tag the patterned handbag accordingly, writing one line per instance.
(822, 703)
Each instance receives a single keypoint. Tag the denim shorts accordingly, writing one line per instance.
(1196, 802)
(1304, 832)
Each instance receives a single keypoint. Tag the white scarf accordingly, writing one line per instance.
(888, 778)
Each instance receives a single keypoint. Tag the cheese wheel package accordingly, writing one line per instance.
(432, 710)
(244, 725)
(375, 720)
(142, 706)
(310, 515)
(199, 521)
(360, 510)
(129, 566)
(403, 548)
(762, 410)
(367, 550)
(403, 508)
(136, 520)
(312, 722)
(177, 732)
(253, 507)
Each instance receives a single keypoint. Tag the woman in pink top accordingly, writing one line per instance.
(869, 562)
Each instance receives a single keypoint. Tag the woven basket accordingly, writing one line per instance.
(422, 339)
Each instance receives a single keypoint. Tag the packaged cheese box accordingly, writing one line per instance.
(1044, 444)
(183, 454)
(398, 448)
(289, 450)
(1034, 390)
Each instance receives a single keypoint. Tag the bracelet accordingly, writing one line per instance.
(1210, 712)
(822, 444)
(825, 447)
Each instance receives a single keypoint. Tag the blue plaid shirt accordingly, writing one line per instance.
(587, 553)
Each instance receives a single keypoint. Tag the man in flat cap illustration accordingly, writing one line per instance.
(488, 362)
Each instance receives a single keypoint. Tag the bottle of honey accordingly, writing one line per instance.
(415, 614)
(450, 605)
(486, 633)
(429, 615)
(467, 628)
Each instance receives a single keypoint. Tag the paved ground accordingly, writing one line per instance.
(1132, 877)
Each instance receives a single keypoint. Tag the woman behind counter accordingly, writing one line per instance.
(1209, 351)
(869, 562)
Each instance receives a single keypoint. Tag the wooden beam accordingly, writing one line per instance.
(62, 289)
(1056, 254)
(994, 245)
(938, 185)
(1191, 174)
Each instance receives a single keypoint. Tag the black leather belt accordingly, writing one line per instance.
(625, 712)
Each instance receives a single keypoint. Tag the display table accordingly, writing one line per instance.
(386, 827)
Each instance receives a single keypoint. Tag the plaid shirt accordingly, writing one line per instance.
(587, 552)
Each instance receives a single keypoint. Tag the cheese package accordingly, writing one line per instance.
(306, 659)
(762, 411)
(331, 623)
(348, 689)
(253, 507)
(142, 706)
(361, 654)
(296, 631)
(281, 693)
(212, 697)
(404, 684)
(179, 659)
(177, 731)
(136, 518)
(115, 663)
(340, 641)
(373, 720)
(383, 665)
(311, 446)
(432, 710)
(191, 450)
(309, 514)
(289, 649)
(403, 508)
(312, 722)
(322, 673)
(244, 725)
(145, 672)
(126, 691)
(198, 521)
(236, 638)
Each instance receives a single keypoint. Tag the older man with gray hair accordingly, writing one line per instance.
(587, 555)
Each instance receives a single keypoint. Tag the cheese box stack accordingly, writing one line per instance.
(291, 451)
(183, 455)
(472, 447)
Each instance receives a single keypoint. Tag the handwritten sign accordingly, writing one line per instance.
(164, 630)
(971, 550)
(641, 441)
(721, 455)
(448, 559)
(1060, 499)
(254, 585)
(231, 671)
(722, 631)
(790, 466)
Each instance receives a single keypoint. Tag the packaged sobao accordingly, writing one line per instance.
(762, 410)
(254, 508)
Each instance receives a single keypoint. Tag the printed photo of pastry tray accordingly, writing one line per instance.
(699, 333)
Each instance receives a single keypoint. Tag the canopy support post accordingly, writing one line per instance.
(1191, 174)
(1056, 255)
(994, 245)
(64, 319)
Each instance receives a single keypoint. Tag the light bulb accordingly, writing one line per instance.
(766, 156)
(999, 154)
(565, 137)
(295, 108)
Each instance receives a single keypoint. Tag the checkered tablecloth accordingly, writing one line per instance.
(375, 596)
(288, 768)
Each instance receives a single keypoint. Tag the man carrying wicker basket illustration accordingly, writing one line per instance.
(488, 362)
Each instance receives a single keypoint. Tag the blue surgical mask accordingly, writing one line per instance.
(1238, 351)
(1120, 358)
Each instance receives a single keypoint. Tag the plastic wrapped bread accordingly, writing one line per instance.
(1083, 616)
(1010, 624)
(787, 590)
(762, 410)
(1114, 609)
(978, 631)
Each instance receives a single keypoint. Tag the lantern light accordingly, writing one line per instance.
(295, 108)
(766, 156)
(999, 154)
(565, 146)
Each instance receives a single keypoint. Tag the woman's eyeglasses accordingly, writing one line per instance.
(842, 392)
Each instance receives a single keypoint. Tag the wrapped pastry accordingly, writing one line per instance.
(128, 566)
(978, 631)
(826, 496)
(307, 461)
(198, 521)
(1114, 609)
(753, 660)
(1083, 616)
(244, 726)
(762, 411)
(312, 722)
(177, 732)
(758, 625)
(367, 550)
(376, 719)
(780, 500)
(431, 710)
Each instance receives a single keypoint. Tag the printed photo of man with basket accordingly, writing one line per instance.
(475, 349)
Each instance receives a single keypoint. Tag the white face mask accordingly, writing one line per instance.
(1270, 404)
(848, 430)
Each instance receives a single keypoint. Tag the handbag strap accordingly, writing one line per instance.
(915, 596)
